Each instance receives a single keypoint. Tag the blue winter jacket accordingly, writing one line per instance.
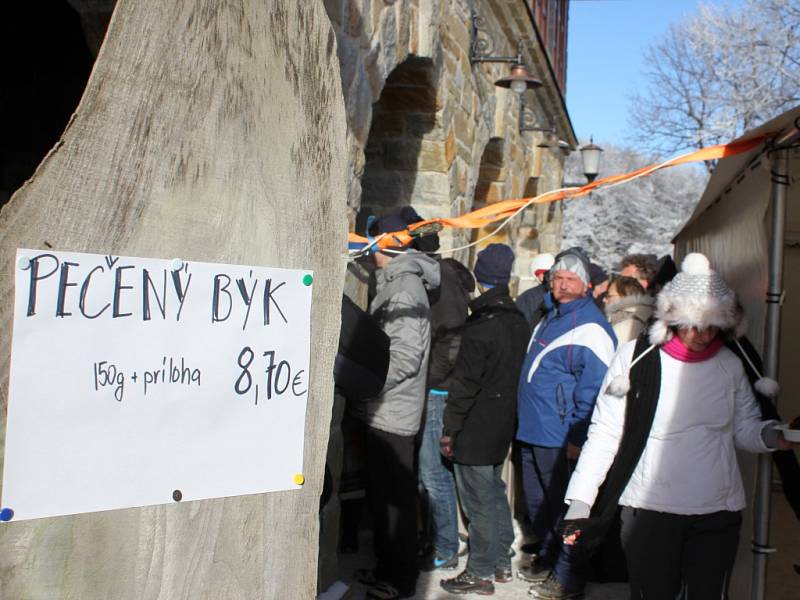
(568, 356)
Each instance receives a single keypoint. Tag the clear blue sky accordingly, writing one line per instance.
(607, 40)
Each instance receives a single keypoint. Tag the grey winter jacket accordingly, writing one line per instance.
(402, 310)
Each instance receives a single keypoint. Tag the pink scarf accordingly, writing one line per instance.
(677, 350)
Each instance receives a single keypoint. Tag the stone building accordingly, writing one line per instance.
(427, 125)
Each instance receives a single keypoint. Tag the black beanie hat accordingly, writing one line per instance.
(597, 274)
(391, 224)
(409, 215)
(426, 243)
(494, 264)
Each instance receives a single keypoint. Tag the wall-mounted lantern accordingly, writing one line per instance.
(590, 161)
(481, 50)
(590, 158)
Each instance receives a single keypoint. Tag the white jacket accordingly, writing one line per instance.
(689, 462)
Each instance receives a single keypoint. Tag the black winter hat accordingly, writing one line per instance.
(410, 215)
(390, 224)
(427, 243)
(494, 264)
(597, 274)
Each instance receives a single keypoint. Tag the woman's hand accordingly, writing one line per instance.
(784, 444)
(571, 533)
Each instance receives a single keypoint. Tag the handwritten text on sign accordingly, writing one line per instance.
(141, 381)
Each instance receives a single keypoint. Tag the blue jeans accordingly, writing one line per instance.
(483, 498)
(436, 477)
(545, 475)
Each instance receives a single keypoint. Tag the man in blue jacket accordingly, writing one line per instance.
(568, 356)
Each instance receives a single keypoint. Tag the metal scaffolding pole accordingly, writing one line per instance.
(761, 508)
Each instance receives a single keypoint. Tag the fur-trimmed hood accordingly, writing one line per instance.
(635, 306)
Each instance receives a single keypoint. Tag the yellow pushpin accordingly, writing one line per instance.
(299, 479)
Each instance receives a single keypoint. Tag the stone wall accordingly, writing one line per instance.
(428, 128)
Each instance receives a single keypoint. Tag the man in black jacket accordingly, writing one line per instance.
(479, 420)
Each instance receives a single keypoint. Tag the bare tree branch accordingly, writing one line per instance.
(717, 74)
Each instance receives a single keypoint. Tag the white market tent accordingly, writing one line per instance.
(748, 224)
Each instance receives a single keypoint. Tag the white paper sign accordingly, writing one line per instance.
(140, 381)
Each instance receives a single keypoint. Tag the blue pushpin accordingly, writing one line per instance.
(6, 514)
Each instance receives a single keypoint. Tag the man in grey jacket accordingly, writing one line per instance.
(394, 416)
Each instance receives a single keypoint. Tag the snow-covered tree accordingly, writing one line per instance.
(640, 216)
(717, 74)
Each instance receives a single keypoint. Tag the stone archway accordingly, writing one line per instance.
(406, 157)
(529, 242)
(490, 187)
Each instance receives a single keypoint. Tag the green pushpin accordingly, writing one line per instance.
(308, 279)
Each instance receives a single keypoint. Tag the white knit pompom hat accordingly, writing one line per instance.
(696, 297)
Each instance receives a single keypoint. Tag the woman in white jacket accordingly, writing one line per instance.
(662, 443)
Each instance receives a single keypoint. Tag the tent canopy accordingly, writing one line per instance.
(730, 171)
(729, 224)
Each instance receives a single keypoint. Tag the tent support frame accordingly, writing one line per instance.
(761, 510)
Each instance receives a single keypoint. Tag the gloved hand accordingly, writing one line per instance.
(585, 534)
(446, 446)
(571, 530)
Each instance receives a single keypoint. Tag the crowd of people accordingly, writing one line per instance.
(619, 400)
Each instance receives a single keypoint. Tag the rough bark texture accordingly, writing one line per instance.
(210, 131)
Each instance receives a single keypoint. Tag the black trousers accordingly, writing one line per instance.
(391, 490)
(679, 556)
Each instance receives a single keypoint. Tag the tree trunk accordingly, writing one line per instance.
(210, 131)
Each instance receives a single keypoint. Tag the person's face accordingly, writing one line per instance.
(632, 271)
(612, 295)
(600, 289)
(540, 275)
(696, 339)
(567, 286)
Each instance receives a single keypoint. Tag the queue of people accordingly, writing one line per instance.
(619, 396)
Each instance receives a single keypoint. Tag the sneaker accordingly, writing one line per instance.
(466, 583)
(503, 575)
(551, 589)
(435, 562)
(536, 572)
